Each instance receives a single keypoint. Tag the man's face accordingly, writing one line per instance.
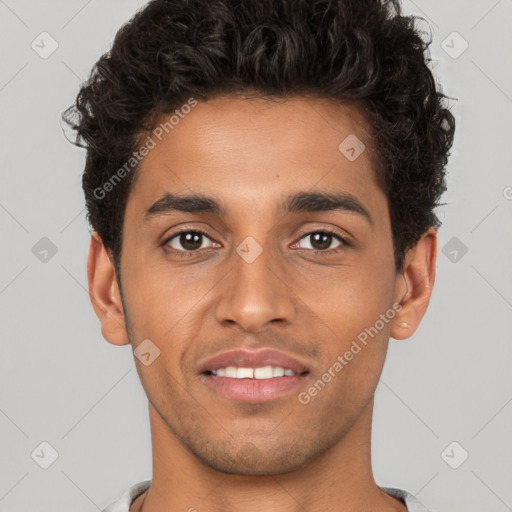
(260, 277)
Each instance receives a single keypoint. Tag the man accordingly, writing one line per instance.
(261, 177)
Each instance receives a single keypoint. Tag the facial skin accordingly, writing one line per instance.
(217, 454)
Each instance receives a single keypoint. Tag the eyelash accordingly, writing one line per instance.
(187, 254)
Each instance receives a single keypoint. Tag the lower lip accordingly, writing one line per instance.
(254, 390)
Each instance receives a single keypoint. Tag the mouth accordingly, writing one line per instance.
(259, 373)
(253, 376)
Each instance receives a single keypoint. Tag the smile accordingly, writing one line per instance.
(262, 372)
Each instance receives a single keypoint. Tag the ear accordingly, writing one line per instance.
(414, 284)
(104, 293)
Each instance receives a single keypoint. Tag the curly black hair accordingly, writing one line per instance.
(363, 52)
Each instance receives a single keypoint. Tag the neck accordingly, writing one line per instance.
(339, 480)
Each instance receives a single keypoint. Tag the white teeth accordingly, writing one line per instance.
(265, 372)
(262, 372)
(244, 373)
(277, 371)
(231, 372)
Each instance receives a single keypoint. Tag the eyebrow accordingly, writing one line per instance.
(326, 201)
(295, 203)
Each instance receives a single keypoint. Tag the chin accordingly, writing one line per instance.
(249, 460)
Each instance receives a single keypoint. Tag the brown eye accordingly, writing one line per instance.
(321, 241)
(188, 241)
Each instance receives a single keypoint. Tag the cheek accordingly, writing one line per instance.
(356, 306)
(162, 300)
(355, 298)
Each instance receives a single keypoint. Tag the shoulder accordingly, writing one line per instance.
(412, 504)
(124, 502)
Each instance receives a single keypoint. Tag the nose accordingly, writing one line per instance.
(256, 293)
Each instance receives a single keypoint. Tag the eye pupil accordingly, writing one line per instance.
(321, 241)
(191, 240)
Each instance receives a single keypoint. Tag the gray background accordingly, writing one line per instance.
(63, 384)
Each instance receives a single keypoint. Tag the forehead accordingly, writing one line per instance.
(244, 149)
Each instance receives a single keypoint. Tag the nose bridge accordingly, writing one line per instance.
(254, 293)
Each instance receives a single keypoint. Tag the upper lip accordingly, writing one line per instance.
(253, 359)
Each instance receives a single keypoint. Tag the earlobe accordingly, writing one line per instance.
(414, 285)
(104, 293)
